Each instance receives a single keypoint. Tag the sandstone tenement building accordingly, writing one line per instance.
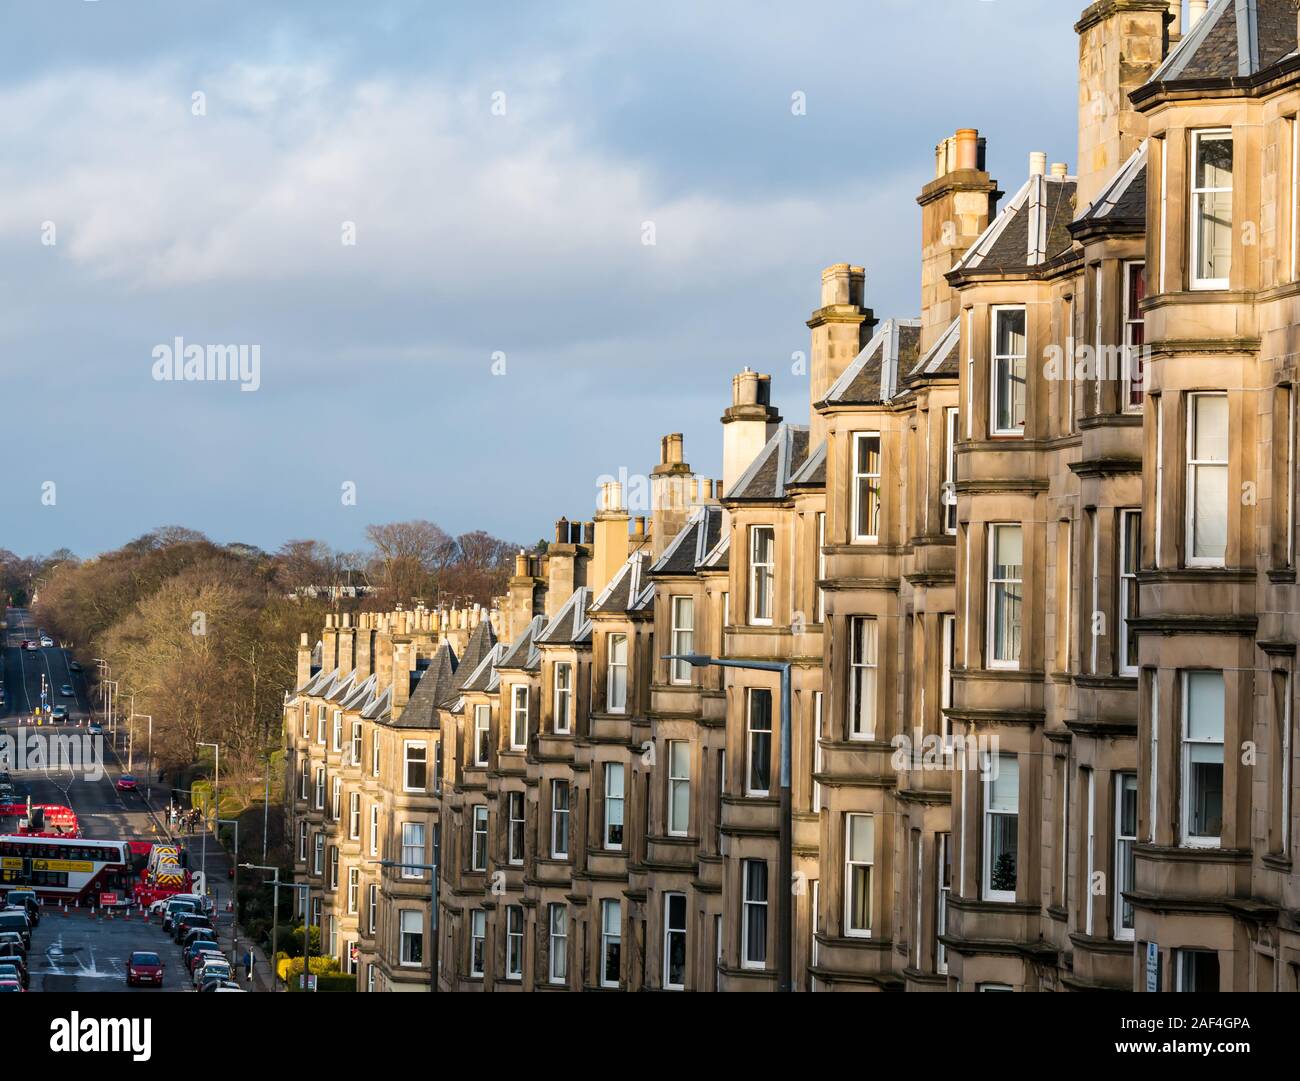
(1031, 560)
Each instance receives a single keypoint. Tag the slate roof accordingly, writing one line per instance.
(1123, 201)
(523, 652)
(570, 624)
(360, 695)
(941, 359)
(479, 646)
(628, 590)
(380, 708)
(873, 374)
(769, 473)
(437, 686)
(1032, 229)
(484, 677)
(812, 474)
(717, 559)
(697, 538)
(1234, 39)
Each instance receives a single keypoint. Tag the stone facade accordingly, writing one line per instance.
(1030, 561)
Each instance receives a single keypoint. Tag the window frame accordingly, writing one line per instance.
(478, 848)
(404, 936)
(1187, 839)
(560, 819)
(762, 584)
(752, 908)
(408, 762)
(1128, 587)
(681, 636)
(557, 937)
(866, 672)
(563, 703)
(995, 359)
(851, 929)
(482, 735)
(750, 733)
(607, 938)
(1134, 326)
(670, 933)
(1123, 879)
(991, 617)
(610, 801)
(519, 716)
(1194, 206)
(675, 782)
(613, 667)
(987, 813)
(858, 476)
(1193, 468)
(948, 488)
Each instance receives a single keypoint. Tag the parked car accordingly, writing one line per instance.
(211, 968)
(11, 970)
(11, 985)
(200, 950)
(13, 938)
(126, 783)
(144, 967)
(175, 908)
(95, 728)
(11, 954)
(198, 934)
(221, 985)
(16, 920)
(188, 921)
(25, 899)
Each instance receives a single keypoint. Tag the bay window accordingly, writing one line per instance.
(479, 838)
(1211, 209)
(1006, 567)
(1207, 479)
(1202, 755)
(862, 678)
(482, 734)
(1126, 810)
(1001, 825)
(414, 766)
(762, 556)
(866, 487)
(1010, 364)
(411, 930)
(859, 860)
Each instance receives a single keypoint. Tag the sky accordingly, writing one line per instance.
(429, 222)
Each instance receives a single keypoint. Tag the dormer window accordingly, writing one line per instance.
(1009, 368)
(1211, 209)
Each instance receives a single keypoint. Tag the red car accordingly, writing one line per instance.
(126, 783)
(144, 968)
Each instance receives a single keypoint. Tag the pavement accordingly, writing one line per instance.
(76, 951)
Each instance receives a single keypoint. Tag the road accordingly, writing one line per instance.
(78, 951)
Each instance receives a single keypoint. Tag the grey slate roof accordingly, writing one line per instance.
(380, 708)
(360, 695)
(484, 677)
(570, 624)
(697, 538)
(1124, 199)
(873, 374)
(523, 650)
(437, 685)
(812, 474)
(717, 559)
(941, 358)
(1234, 39)
(769, 474)
(628, 589)
(479, 646)
(1031, 230)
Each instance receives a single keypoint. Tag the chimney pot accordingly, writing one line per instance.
(968, 141)
(589, 532)
(562, 531)
(1060, 168)
(1195, 10)
(1037, 163)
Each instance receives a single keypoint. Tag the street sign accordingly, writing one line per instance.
(308, 983)
(1153, 966)
(107, 899)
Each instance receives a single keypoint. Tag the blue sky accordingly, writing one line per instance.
(476, 234)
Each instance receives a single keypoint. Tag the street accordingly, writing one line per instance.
(78, 950)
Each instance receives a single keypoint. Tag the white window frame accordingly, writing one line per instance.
(821, 566)
(563, 720)
(482, 734)
(478, 848)
(1194, 467)
(477, 943)
(1154, 764)
(372, 907)
(610, 937)
(864, 675)
(617, 664)
(1128, 586)
(615, 799)
(875, 493)
(354, 889)
(679, 779)
(519, 717)
(336, 731)
(819, 755)
(354, 816)
(1119, 931)
(336, 797)
(356, 743)
(318, 853)
(943, 889)
(1194, 209)
(672, 932)
(682, 617)
(762, 577)
(989, 813)
(851, 929)
(514, 942)
(750, 733)
(322, 721)
(413, 850)
(948, 648)
(1132, 320)
(948, 490)
(1187, 839)
(560, 820)
(306, 721)
(375, 754)
(995, 359)
(993, 661)
(374, 829)
(408, 762)
(319, 802)
(750, 909)
(557, 970)
(515, 800)
(1090, 845)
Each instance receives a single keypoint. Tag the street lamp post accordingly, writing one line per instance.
(432, 868)
(234, 891)
(216, 798)
(785, 857)
(275, 916)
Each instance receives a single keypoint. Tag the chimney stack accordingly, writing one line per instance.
(956, 207)
(840, 328)
(304, 660)
(1121, 43)
(669, 493)
(611, 541)
(747, 424)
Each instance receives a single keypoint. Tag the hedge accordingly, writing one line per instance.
(285, 966)
(332, 981)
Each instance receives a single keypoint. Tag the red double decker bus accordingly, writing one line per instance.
(78, 869)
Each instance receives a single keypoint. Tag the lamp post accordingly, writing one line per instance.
(277, 885)
(234, 891)
(148, 781)
(266, 803)
(216, 788)
(785, 858)
(432, 868)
